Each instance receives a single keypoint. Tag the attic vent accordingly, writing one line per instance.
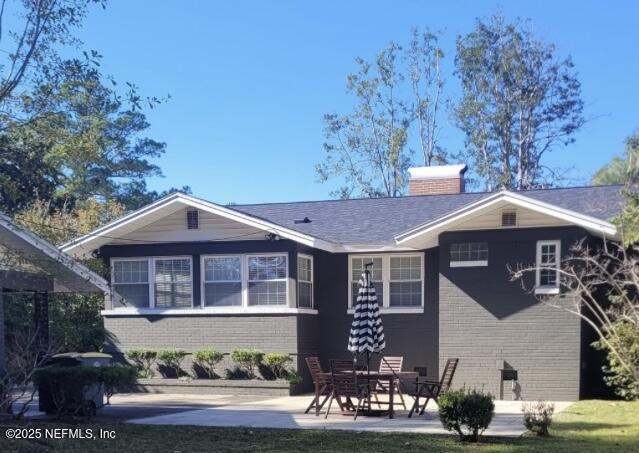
(509, 218)
(192, 221)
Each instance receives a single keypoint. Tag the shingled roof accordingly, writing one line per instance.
(381, 219)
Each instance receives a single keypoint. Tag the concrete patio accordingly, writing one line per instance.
(288, 412)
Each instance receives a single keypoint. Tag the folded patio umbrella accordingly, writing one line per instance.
(367, 331)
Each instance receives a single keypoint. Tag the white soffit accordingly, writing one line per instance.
(426, 235)
(172, 203)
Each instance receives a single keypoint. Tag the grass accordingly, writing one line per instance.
(587, 426)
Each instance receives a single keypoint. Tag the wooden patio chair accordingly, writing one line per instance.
(432, 389)
(342, 365)
(321, 381)
(389, 365)
(345, 385)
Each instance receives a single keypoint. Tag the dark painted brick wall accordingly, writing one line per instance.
(485, 319)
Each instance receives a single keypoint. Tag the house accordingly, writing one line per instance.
(32, 266)
(190, 273)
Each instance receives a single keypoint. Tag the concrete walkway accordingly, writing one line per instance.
(288, 412)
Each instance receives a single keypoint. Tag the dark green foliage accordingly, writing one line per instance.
(69, 387)
(117, 376)
(75, 322)
(467, 412)
(622, 369)
(622, 169)
(207, 359)
(172, 359)
(143, 359)
(248, 360)
(277, 362)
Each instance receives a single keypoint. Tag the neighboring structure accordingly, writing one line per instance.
(29, 264)
(188, 273)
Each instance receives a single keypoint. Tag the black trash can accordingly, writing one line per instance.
(93, 394)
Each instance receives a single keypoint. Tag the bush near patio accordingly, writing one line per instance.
(538, 417)
(143, 359)
(206, 359)
(277, 362)
(467, 412)
(170, 361)
(247, 361)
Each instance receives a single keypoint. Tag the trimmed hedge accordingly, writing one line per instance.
(467, 412)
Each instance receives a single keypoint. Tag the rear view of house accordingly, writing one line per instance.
(188, 273)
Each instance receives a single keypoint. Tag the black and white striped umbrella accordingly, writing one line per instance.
(367, 332)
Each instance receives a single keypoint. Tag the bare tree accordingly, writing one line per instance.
(603, 281)
(427, 83)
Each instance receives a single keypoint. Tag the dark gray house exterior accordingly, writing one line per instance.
(188, 273)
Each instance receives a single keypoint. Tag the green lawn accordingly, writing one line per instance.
(597, 426)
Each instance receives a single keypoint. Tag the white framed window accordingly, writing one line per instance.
(267, 279)
(406, 281)
(130, 280)
(222, 281)
(173, 282)
(304, 281)
(468, 254)
(398, 280)
(547, 269)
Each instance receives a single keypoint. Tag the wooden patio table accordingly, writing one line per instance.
(375, 376)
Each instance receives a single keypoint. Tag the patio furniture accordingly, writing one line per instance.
(376, 376)
(389, 365)
(321, 383)
(341, 365)
(432, 389)
(345, 384)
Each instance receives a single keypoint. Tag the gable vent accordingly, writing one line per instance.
(192, 221)
(509, 218)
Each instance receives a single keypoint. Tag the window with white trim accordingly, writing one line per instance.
(173, 283)
(405, 281)
(130, 280)
(304, 281)
(267, 275)
(358, 264)
(547, 269)
(468, 254)
(398, 279)
(222, 281)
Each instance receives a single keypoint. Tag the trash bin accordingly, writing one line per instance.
(93, 393)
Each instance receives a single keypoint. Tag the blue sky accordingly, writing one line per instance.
(250, 81)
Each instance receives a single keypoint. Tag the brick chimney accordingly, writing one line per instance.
(442, 179)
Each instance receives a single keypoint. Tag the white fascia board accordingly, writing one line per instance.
(54, 253)
(592, 224)
(139, 218)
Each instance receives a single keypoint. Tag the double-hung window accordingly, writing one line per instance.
(173, 283)
(130, 279)
(267, 279)
(398, 279)
(547, 269)
(304, 281)
(405, 281)
(222, 277)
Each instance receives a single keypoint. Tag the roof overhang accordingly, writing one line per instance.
(172, 203)
(426, 235)
(47, 260)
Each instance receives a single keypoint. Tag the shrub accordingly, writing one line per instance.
(172, 359)
(538, 417)
(622, 348)
(292, 377)
(248, 360)
(207, 359)
(143, 359)
(277, 362)
(63, 390)
(467, 412)
(115, 376)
